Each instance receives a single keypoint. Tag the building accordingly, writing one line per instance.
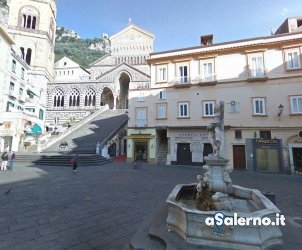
(76, 92)
(29, 67)
(20, 102)
(259, 81)
(32, 25)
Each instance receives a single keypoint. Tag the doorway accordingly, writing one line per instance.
(141, 151)
(184, 154)
(239, 160)
(297, 159)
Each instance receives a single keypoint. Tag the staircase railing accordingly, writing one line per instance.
(74, 128)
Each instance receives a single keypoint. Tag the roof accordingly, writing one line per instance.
(129, 27)
(227, 45)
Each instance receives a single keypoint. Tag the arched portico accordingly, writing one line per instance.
(124, 80)
(107, 98)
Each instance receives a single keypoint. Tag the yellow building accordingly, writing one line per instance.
(258, 79)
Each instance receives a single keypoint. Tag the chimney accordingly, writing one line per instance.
(206, 40)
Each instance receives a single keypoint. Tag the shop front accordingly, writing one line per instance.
(267, 155)
(141, 146)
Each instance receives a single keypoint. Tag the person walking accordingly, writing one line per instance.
(12, 159)
(74, 161)
(4, 159)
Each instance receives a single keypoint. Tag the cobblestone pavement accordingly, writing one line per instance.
(101, 207)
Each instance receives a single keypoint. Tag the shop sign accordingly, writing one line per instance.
(267, 141)
(6, 132)
(140, 136)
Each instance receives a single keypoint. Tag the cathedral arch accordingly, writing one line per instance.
(58, 97)
(89, 97)
(107, 97)
(74, 98)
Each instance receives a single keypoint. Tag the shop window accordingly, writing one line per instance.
(238, 134)
(265, 135)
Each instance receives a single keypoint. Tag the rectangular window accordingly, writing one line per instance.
(162, 95)
(161, 111)
(183, 109)
(293, 60)
(22, 73)
(11, 86)
(183, 74)
(141, 117)
(20, 91)
(208, 108)
(207, 70)
(162, 74)
(14, 66)
(265, 135)
(296, 104)
(41, 114)
(238, 134)
(256, 66)
(259, 106)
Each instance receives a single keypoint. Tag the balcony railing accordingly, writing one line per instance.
(205, 79)
(257, 74)
(184, 81)
(141, 123)
(140, 85)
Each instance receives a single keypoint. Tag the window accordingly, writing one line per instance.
(161, 111)
(41, 114)
(162, 74)
(207, 71)
(183, 74)
(141, 117)
(183, 109)
(20, 91)
(256, 66)
(89, 97)
(265, 135)
(238, 134)
(259, 106)
(293, 60)
(208, 108)
(58, 100)
(141, 97)
(11, 86)
(22, 73)
(162, 95)
(14, 66)
(9, 105)
(74, 98)
(296, 104)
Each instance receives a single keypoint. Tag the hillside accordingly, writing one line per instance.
(82, 51)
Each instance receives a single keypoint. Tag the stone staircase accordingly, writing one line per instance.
(60, 159)
(84, 138)
(162, 154)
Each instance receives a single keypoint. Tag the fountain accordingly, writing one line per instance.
(190, 207)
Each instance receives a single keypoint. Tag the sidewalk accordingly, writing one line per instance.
(101, 207)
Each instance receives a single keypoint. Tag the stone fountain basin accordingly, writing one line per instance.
(189, 223)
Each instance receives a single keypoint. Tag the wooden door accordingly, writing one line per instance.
(239, 159)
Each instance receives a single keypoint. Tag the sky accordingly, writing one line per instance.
(177, 24)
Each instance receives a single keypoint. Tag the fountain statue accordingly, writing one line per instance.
(190, 206)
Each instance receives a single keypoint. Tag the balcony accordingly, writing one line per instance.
(141, 123)
(181, 82)
(140, 85)
(257, 75)
(208, 79)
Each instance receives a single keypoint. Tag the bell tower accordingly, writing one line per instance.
(32, 25)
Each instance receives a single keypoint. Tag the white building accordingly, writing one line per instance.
(259, 80)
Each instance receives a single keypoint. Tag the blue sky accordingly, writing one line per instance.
(177, 23)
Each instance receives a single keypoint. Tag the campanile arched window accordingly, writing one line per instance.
(29, 17)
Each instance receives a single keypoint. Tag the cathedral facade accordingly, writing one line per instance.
(77, 92)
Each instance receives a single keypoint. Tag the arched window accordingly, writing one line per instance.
(58, 100)
(28, 56)
(28, 17)
(74, 98)
(89, 97)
